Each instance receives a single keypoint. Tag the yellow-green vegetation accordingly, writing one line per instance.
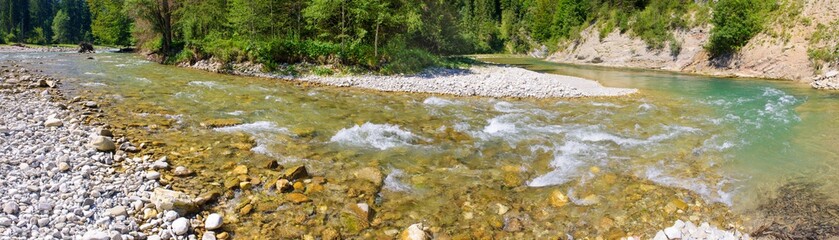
(824, 44)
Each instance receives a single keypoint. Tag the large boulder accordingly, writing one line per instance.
(86, 47)
(179, 202)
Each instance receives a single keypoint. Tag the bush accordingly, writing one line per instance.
(37, 37)
(735, 23)
(402, 60)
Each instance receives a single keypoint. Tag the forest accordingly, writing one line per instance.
(389, 36)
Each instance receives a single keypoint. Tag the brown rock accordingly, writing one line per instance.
(558, 199)
(298, 186)
(283, 185)
(330, 234)
(296, 198)
(371, 174)
(240, 170)
(295, 173)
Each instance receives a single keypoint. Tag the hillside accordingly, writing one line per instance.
(797, 43)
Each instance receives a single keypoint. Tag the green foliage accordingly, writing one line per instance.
(61, 28)
(322, 71)
(735, 23)
(37, 36)
(110, 26)
(824, 44)
(655, 23)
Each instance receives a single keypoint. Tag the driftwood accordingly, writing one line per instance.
(85, 47)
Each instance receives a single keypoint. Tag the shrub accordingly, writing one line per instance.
(735, 23)
(402, 60)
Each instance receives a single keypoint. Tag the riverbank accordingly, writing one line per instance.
(35, 48)
(478, 80)
(67, 176)
(783, 50)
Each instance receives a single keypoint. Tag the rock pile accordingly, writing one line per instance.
(830, 81)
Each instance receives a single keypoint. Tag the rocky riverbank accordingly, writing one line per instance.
(28, 49)
(830, 81)
(486, 80)
(68, 177)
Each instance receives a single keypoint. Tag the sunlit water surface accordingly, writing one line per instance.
(728, 141)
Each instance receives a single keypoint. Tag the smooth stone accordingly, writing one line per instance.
(180, 226)
(11, 208)
(165, 199)
(414, 232)
(63, 166)
(213, 222)
(182, 171)
(102, 144)
(117, 211)
(53, 122)
(208, 235)
(152, 175)
(95, 235)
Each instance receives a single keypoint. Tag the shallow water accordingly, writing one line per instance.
(450, 160)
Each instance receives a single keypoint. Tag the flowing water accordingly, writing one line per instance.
(686, 147)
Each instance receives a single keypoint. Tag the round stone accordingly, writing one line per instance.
(213, 221)
(180, 226)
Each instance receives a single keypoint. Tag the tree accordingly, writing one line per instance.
(735, 23)
(110, 26)
(61, 28)
(158, 15)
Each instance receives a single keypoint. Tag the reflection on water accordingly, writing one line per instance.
(722, 140)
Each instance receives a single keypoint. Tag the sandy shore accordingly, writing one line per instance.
(486, 81)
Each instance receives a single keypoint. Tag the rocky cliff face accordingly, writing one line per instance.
(780, 52)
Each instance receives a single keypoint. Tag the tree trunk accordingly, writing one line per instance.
(376, 41)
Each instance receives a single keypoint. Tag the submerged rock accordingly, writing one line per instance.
(295, 173)
(414, 232)
(558, 199)
(370, 174)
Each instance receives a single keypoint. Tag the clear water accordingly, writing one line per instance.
(727, 142)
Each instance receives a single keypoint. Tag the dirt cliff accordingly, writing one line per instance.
(778, 52)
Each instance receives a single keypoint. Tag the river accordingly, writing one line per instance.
(686, 147)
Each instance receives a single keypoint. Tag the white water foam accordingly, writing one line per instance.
(142, 80)
(711, 193)
(207, 84)
(393, 184)
(94, 84)
(235, 113)
(438, 102)
(590, 146)
(262, 131)
(379, 136)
